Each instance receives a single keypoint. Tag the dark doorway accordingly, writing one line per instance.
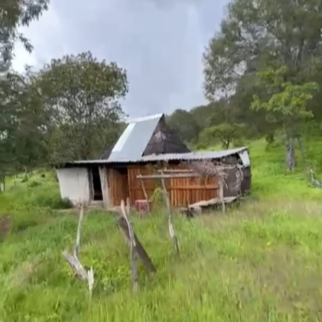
(97, 188)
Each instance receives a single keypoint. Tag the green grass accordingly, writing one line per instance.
(261, 262)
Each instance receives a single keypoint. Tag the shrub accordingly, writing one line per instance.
(34, 184)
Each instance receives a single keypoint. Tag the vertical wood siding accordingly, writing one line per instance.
(118, 187)
(182, 191)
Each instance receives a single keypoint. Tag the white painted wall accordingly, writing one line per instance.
(74, 184)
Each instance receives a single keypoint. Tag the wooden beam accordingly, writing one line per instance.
(175, 171)
(170, 176)
(145, 193)
(188, 187)
(212, 202)
(131, 240)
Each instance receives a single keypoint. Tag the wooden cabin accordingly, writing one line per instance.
(133, 168)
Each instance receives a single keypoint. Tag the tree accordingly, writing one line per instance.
(224, 112)
(185, 125)
(201, 114)
(8, 95)
(286, 103)
(15, 13)
(225, 132)
(81, 95)
(31, 136)
(260, 34)
(22, 125)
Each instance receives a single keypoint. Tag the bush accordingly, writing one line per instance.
(201, 146)
(238, 142)
(157, 198)
(34, 184)
(24, 179)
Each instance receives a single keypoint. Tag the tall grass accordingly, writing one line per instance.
(259, 262)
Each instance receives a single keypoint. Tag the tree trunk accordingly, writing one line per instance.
(225, 144)
(302, 152)
(2, 183)
(290, 155)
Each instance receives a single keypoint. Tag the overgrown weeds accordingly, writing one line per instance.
(259, 262)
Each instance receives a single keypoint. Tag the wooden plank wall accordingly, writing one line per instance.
(118, 187)
(182, 191)
(186, 191)
(135, 187)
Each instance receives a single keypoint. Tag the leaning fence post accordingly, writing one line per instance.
(133, 256)
(170, 224)
(73, 260)
(136, 248)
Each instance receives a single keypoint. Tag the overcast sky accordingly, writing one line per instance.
(159, 42)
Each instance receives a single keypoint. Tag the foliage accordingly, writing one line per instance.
(256, 36)
(224, 132)
(22, 124)
(221, 113)
(157, 198)
(82, 95)
(285, 103)
(185, 124)
(14, 95)
(69, 110)
(201, 114)
(286, 99)
(262, 33)
(13, 14)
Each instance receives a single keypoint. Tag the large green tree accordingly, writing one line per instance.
(13, 88)
(224, 133)
(260, 34)
(81, 94)
(22, 125)
(15, 13)
(286, 104)
(9, 93)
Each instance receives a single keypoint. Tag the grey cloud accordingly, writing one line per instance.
(160, 43)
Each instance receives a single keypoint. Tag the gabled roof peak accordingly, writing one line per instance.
(146, 135)
(145, 118)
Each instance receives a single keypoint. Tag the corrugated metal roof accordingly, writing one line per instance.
(134, 139)
(192, 155)
(169, 157)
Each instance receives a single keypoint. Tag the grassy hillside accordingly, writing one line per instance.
(261, 262)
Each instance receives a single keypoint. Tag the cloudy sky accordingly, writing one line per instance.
(159, 42)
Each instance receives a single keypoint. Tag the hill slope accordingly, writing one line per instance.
(257, 263)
